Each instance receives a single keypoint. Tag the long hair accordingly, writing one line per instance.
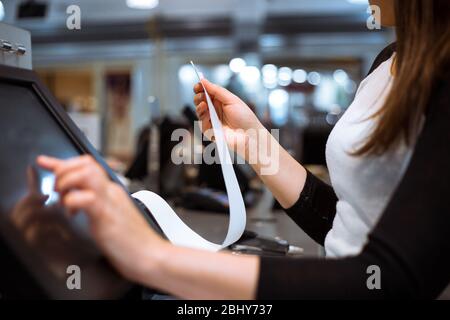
(423, 52)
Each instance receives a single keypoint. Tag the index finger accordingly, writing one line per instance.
(217, 92)
(60, 167)
(49, 163)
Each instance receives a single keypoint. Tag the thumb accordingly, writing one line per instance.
(219, 93)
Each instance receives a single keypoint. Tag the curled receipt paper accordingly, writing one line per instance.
(173, 227)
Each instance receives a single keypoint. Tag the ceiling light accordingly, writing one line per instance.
(250, 75)
(359, 2)
(314, 78)
(187, 75)
(285, 76)
(237, 65)
(269, 71)
(340, 76)
(142, 4)
(279, 106)
(2, 11)
(299, 76)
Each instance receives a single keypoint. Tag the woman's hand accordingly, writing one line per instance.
(239, 122)
(116, 225)
(284, 176)
(137, 252)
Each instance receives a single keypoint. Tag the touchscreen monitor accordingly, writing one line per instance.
(39, 240)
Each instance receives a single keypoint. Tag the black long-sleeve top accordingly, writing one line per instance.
(410, 244)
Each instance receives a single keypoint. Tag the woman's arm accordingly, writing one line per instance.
(135, 250)
(307, 200)
(245, 134)
(195, 274)
(409, 246)
(286, 177)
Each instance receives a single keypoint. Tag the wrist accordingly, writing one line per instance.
(262, 151)
(153, 260)
(252, 140)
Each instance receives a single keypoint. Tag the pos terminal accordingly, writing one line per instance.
(40, 246)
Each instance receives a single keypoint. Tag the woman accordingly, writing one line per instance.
(389, 163)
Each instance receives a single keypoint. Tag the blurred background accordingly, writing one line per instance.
(297, 62)
(124, 77)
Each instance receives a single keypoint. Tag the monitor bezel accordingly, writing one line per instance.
(30, 79)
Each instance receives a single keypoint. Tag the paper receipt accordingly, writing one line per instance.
(173, 227)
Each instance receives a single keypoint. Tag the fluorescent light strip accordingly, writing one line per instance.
(142, 4)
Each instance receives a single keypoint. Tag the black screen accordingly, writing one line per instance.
(32, 222)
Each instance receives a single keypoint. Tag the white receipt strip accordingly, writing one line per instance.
(173, 227)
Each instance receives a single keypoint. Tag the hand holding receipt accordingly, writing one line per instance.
(173, 227)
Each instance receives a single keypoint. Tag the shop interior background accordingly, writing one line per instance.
(298, 62)
(126, 71)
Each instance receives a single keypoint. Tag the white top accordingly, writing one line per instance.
(363, 185)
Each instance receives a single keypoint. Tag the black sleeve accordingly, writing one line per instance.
(409, 244)
(384, 55)
(314, 211)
